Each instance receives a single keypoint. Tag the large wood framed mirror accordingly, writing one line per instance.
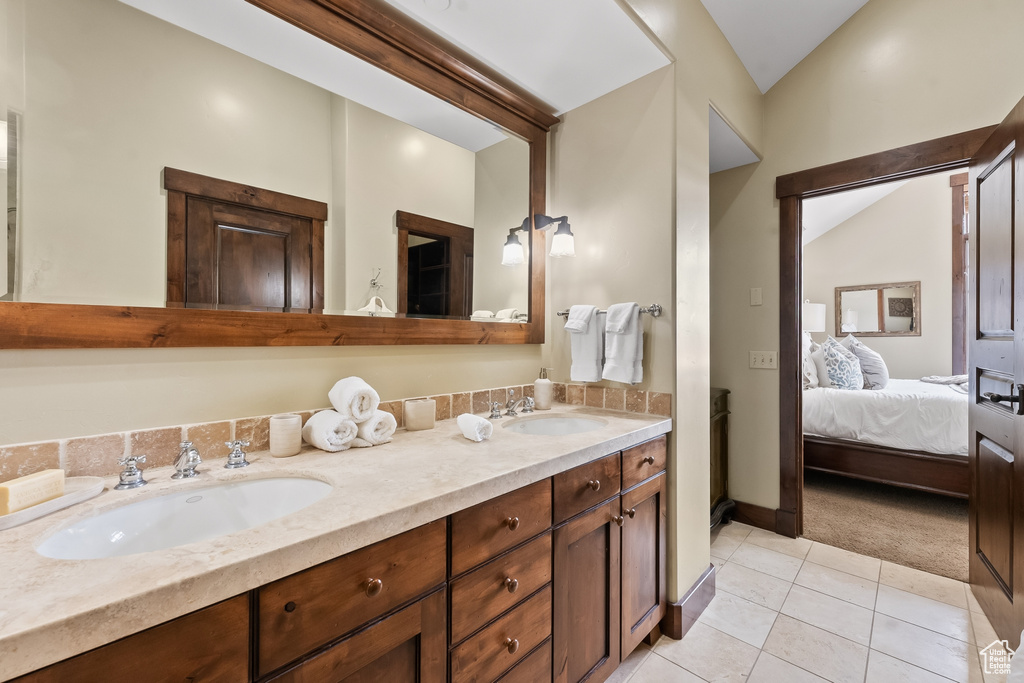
(884, 310)
(103, 237)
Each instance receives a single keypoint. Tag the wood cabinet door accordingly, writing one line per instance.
(586, 606)
(644, 585)
(410, 646)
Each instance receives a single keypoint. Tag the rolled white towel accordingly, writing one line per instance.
(328, 430)
(507, 313)
(378, 429)
(354, 398)
(474, 427)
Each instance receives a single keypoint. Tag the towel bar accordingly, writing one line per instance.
(654, 310)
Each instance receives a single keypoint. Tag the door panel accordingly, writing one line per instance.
(996, 356)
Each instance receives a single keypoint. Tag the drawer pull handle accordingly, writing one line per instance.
(289, 606)
(512, 645)
(619, 520)
(512, 523)
(373, 587)
(631, 512)
(594, 484)
(511, 584)
(649, 460)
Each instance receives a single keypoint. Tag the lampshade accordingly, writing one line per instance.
(512, 253)
(813, 317)
(562, 243)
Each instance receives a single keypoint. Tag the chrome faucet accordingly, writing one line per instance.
(188, 460)
(526, 402)
(236, 458)
(131, 477)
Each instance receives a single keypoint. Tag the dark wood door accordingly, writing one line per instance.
(437, 276)
(996, 356)
(644, 585)
(410, 646)
(586, 606)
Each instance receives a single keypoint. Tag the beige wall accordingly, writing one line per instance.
(903, 237)
(888, 77)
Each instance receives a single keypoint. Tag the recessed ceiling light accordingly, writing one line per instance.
(437, 5)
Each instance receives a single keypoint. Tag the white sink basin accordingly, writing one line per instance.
(554, 425)
(182, 517)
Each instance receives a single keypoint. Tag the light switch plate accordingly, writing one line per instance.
(764, 360)
(755, 296)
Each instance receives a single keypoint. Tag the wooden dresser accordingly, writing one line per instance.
(721, 505)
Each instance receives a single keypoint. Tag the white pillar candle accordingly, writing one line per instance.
(285, 435)
(419, 414)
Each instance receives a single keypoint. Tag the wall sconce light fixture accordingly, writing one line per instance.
(562, 243)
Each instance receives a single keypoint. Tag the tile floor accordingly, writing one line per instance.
(795, 611)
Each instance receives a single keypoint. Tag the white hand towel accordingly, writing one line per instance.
(483, 314)
(329, 431)
(474, 427)
(624, 344)
(586, 342)
(354, 398)
(377, 430)
(507, 313)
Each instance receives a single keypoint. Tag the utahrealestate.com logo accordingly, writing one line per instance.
(995, 659)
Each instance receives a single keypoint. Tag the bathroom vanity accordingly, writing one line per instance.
(521, 558)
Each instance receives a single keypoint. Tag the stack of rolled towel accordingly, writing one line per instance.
(355, 422)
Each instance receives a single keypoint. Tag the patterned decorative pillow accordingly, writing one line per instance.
(876, 374)
(842, 366)
(809, 372)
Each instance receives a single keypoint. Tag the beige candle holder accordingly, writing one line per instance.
(419, 414)
(285, 435)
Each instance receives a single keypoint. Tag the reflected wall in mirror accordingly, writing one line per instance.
(885, 310)
(112, 95)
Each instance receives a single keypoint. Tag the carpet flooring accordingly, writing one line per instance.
(921, 530)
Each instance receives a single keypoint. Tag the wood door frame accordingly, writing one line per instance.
(460, 240)
(903, 163)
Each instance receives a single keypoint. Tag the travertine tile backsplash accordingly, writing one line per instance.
(98, 455)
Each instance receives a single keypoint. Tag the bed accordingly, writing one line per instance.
(911, 434)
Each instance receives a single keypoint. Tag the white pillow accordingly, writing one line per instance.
(818, 358)
(842, 366)
(809, 371)
(876, 374)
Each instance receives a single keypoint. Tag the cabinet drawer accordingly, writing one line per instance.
(482, 531)
(486, 592)
(311, 608)
(504, 643)
(536, 668)
(585, 486)
(643, 461)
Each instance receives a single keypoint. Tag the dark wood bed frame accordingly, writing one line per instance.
(945, 474)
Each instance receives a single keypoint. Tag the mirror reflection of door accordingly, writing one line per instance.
(435, 266)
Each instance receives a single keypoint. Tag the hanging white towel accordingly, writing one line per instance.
(624, 344)
(586, 342)
(376, 431)
(329, 431)
(354, 398)
(375, 305)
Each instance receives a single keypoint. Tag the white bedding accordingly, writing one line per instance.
(908, 414)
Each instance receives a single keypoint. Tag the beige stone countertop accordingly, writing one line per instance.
(53, 609)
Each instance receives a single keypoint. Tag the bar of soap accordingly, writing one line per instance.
(24, 492)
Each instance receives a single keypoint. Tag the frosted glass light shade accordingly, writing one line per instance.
(562, 243)
(813, 317)
(512, 255)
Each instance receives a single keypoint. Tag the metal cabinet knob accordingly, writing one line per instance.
(373, 587)
(631, 512)
(594, 484)
(512, 523)
(619, 519)
(512, 645)
(511, 584)
(649, 460)
(289, 606)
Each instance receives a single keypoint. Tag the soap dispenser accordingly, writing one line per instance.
(542, 391)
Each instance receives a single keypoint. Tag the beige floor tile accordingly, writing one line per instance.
(918, 646)
(982, 629)
(979, 673)
(630, 664)
(767, 561)
(750, 584)
(719, 563)
(710, 654)
(972, 602)
(922, 583)
(831, 614)
(771, 669)
(737, 530)
(724, 546)
(795, 547)
(845, 561)
(838, 584)
(925, 612)
(818, 651)
(739, 618)
(885, 669)
(657, 669)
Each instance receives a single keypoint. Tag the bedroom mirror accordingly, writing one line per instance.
(885, 310)
(113, 91)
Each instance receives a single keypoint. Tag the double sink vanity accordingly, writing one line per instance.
(538, 554)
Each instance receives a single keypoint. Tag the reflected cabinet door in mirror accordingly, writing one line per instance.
(885, 310)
